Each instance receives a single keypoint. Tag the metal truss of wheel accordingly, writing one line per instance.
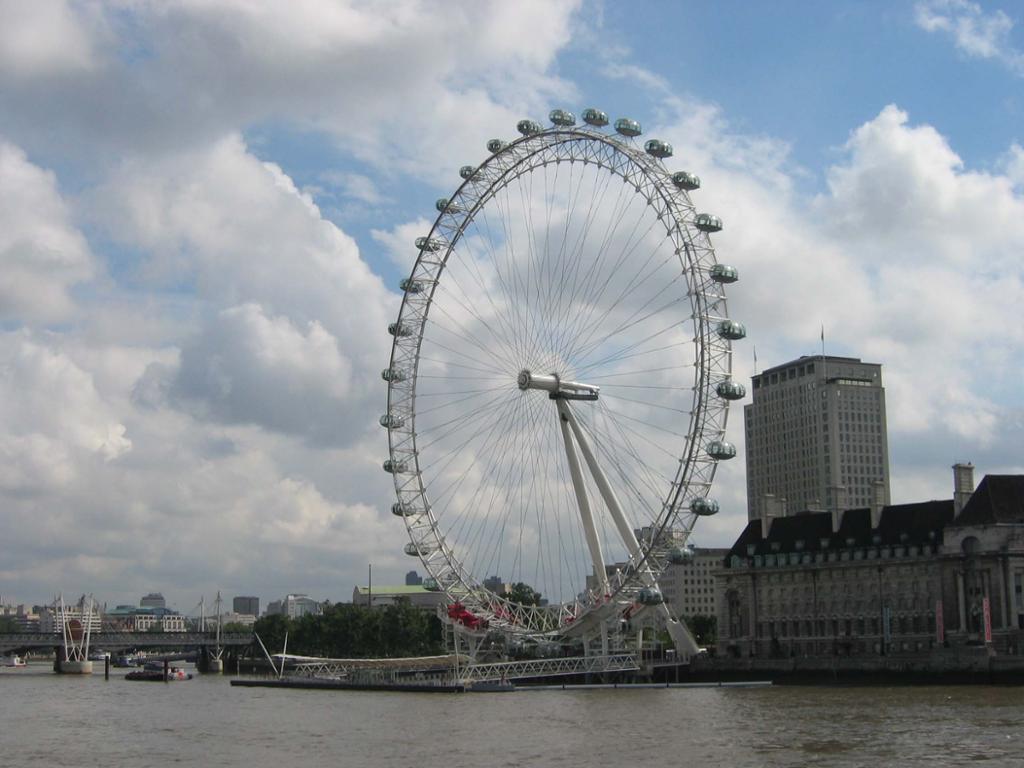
(560, 377)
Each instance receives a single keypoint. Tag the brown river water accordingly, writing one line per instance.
(48, 720)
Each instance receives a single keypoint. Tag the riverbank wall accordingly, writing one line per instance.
(946, 666)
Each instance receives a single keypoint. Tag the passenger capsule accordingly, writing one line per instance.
(427, 244)
(467, 171)
(650, 596)
(431, 585)
(562, 118)
(627, 127)
(658, 148)
(396, 467)
(411, 286)
(393, 374)
(681, 555)
(392, 421)
(731, 330)
(595, 117)
(707, 507)
(687, 181)
(444, 205)
(721, 450)
(731, 390)
(528, 127)
(399, 330)
(496, 145)
(708, 222)
(724, 273)
(422, 550)
(398, 509)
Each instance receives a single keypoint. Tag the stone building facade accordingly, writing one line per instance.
(885, 579)
(689, 588)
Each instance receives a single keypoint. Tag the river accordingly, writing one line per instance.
(48, 719)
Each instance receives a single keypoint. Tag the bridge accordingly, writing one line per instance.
(121, 641)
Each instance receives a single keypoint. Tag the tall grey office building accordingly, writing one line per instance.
(816, 437)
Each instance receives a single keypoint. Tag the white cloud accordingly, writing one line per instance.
(400, 243)
(1013, 163)
(405, 86)
(357, 186)
(250, 368)
(45, 38)
(42, 254)
(974, 32)
(53, 422)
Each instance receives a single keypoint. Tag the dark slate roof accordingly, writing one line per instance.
(998, 499)
(919, 523)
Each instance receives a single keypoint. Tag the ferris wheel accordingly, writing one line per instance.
(560, 377)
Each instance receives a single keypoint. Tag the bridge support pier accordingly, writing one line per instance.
(62, 667)
(209, 662)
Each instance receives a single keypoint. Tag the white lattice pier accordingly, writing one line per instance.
(452, 669)
(534, 668)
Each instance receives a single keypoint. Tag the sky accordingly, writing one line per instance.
(206, 207)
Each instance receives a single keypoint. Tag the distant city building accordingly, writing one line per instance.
(246, 619)
(816, 436)
(246, 605)
(52, 618)
(297, 606)
(153, 600)
(129, 618)
(412, 579)
(880, 579)
(496, 585)
(275, 608)
(26, 619)
(689, 588)
(417, 596)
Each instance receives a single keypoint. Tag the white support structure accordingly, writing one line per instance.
(607, 492)
(586, 516)
(76, 632)
(682, 639)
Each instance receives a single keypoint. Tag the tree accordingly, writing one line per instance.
(236, 626)
(524, 594)
(271, 630)
(9, 625)
(704, 628)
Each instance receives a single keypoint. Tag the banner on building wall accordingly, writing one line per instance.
(987, 613)
(940, 624)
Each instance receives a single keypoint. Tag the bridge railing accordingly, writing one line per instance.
(109, 641)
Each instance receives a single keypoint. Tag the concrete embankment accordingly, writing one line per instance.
(944, 667)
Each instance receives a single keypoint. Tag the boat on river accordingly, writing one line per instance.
(14, 661)
(174, 674)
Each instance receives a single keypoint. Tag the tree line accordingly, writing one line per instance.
(348, 631)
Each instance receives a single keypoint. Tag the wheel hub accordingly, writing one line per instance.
(555, 387)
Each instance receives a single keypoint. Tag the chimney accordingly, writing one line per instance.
(963, 486)
(877, 502)
(771, 508)
(837, 494)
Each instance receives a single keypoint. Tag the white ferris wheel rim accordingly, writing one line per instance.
(652, 184)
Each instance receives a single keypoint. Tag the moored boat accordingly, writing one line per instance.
(174, 674)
